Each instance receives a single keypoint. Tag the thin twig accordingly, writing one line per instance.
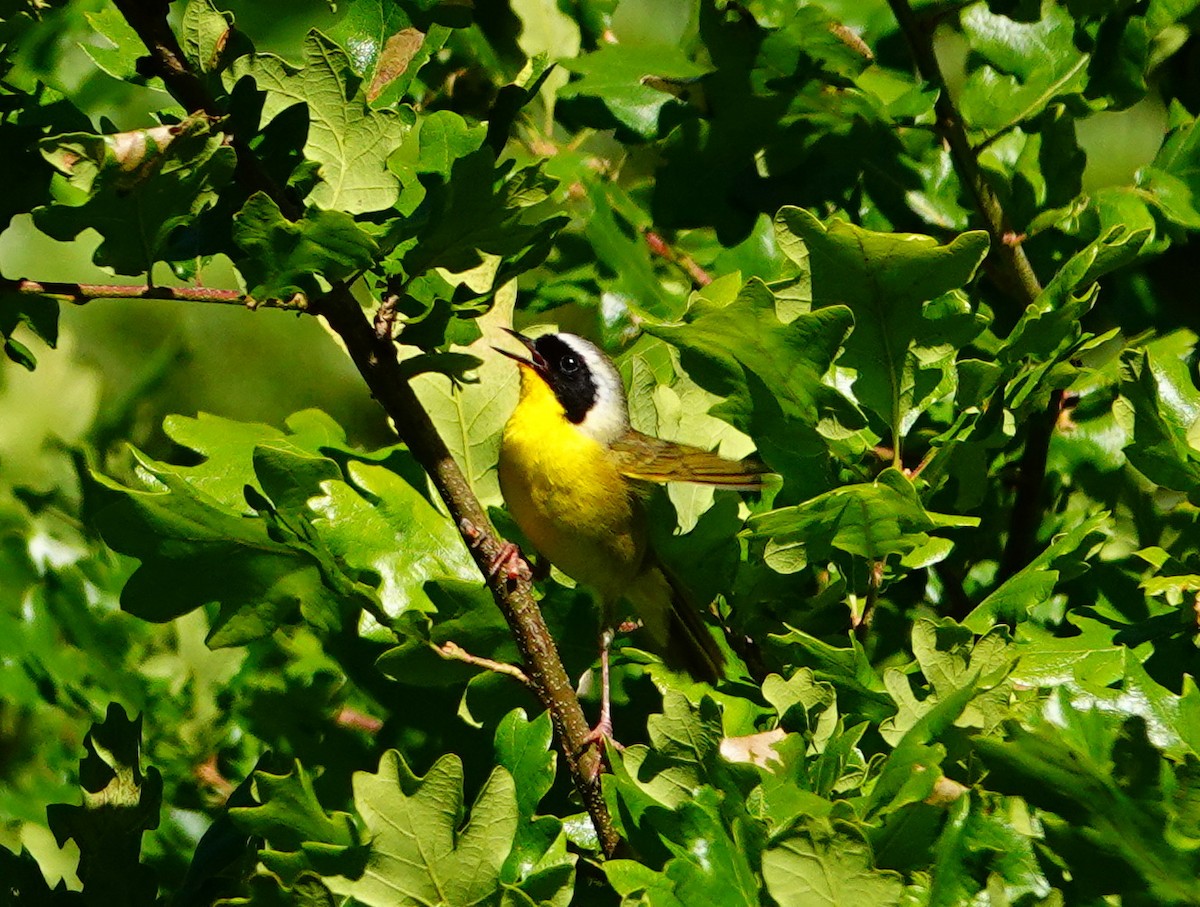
(377, 362)
(1010, 268)
(454, 652)
(358, 721)
(862, 623)
(660, 247)
(82, 293)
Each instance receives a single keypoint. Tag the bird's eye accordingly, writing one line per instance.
(568, 364)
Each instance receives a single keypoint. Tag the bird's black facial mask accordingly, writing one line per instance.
(567, 373)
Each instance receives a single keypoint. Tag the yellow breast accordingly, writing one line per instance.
(563, 489)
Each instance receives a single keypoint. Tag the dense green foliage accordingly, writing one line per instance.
(221, 673)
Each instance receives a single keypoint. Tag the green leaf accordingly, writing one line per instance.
(911, 773)
(634, 83)
(195, 550)
(1021, 68)
(871, 521)
(471, 416)
(822, 863)
(37, 314)
(476, 212)
(951, 660)
(1035, 584)
(1172, 182)
(205, 33)
(523, 747)
(1172, 721)
(711, 866)
(1157, 384)
(614, 227)
(135, 189)
(348, 141)
(387, 47)
(859, 687)
(903, 346)
(228, 446)
(378, 523)
(679, 411)
(120, 802)
(25, 884)
(770, 374)
(977, 841)
(119, 46)
(1102, 778)
(282, 258)
(538, 863)
(418, 852)
(299, 834)
(267, 890)
(1047, 660)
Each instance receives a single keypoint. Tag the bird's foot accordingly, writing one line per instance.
(603, 731)
(508, 559)
(509, 563)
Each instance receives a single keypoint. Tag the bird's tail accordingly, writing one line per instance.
(675, 626)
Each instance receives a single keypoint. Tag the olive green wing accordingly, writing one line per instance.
(651, 459)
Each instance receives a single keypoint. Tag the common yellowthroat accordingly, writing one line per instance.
(574, 475)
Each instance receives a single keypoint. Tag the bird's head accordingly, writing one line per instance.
(584, 381)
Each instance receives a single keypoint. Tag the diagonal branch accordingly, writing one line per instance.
(376, 360)
(1009, 267)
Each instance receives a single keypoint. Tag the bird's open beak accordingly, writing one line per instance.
(534, 361)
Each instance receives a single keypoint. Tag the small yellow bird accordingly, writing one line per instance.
(574, 476)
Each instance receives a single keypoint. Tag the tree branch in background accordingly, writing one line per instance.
(376, 360)
(1009, 263)
(1009, 267)
(82, 293)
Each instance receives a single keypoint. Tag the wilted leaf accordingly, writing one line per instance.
(136, 188)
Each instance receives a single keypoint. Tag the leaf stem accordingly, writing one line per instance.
(1009, 268)
(378, 364)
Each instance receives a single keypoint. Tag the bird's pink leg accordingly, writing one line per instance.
(604, 729)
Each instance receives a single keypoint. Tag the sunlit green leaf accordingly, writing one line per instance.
(349, 142)
(417, 850)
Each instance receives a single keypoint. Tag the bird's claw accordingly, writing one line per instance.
(596, 737)
(509, 564)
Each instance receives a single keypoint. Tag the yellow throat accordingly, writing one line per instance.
(565, 492)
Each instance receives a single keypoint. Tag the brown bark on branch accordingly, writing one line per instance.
(376, 360)
(1009, 267)
(81, 293)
